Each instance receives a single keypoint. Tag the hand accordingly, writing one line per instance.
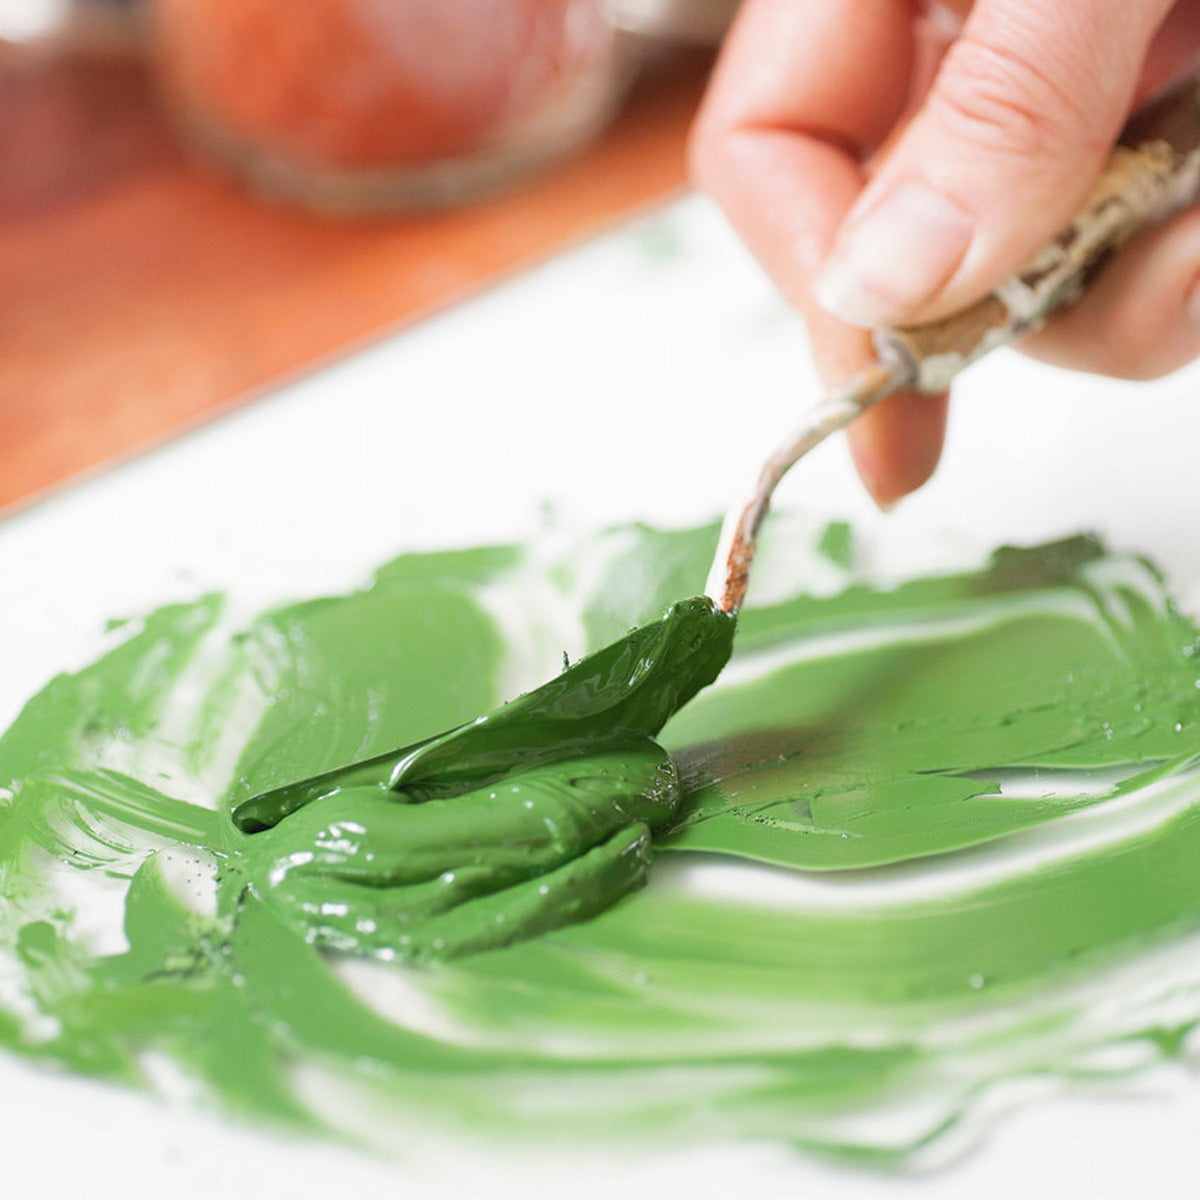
(891, 161)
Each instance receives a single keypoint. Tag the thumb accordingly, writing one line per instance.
(1002, 152)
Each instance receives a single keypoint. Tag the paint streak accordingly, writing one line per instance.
(923, 839)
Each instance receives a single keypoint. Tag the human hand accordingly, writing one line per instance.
(892, 161)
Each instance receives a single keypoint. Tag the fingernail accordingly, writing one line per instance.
(866, 472)
(895, 257)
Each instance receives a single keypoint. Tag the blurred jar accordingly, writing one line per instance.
(375, 105)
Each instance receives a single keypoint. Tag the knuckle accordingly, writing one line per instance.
(995, 96)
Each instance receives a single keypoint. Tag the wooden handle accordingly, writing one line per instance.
(1140, 185)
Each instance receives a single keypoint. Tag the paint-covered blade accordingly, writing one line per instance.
(632, 686)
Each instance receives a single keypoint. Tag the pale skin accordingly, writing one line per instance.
(891, 161)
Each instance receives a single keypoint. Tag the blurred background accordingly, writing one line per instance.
(199, 198)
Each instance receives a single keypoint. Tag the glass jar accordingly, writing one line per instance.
(367, 105)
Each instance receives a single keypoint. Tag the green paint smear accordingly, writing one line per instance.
(914, 842)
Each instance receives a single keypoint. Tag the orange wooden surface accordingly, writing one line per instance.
(140, 292)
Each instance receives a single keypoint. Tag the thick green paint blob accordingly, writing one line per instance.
(628, 688)
(360, 870)
(526, 818)
(922, 839)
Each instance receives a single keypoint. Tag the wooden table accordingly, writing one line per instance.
(141, 293)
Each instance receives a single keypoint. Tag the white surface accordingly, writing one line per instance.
(23, 19)
(642, 376)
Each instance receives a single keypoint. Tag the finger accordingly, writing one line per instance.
(1141, 316)
(803, 92)
(896, 445)
(1008, 142)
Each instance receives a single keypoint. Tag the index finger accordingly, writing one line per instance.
(805, 91)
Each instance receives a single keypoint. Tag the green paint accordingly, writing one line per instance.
(361, 871)
(837, 544)
(889, 748)
(921, 839)
(527, 818)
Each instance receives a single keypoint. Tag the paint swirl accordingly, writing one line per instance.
(917, 843)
